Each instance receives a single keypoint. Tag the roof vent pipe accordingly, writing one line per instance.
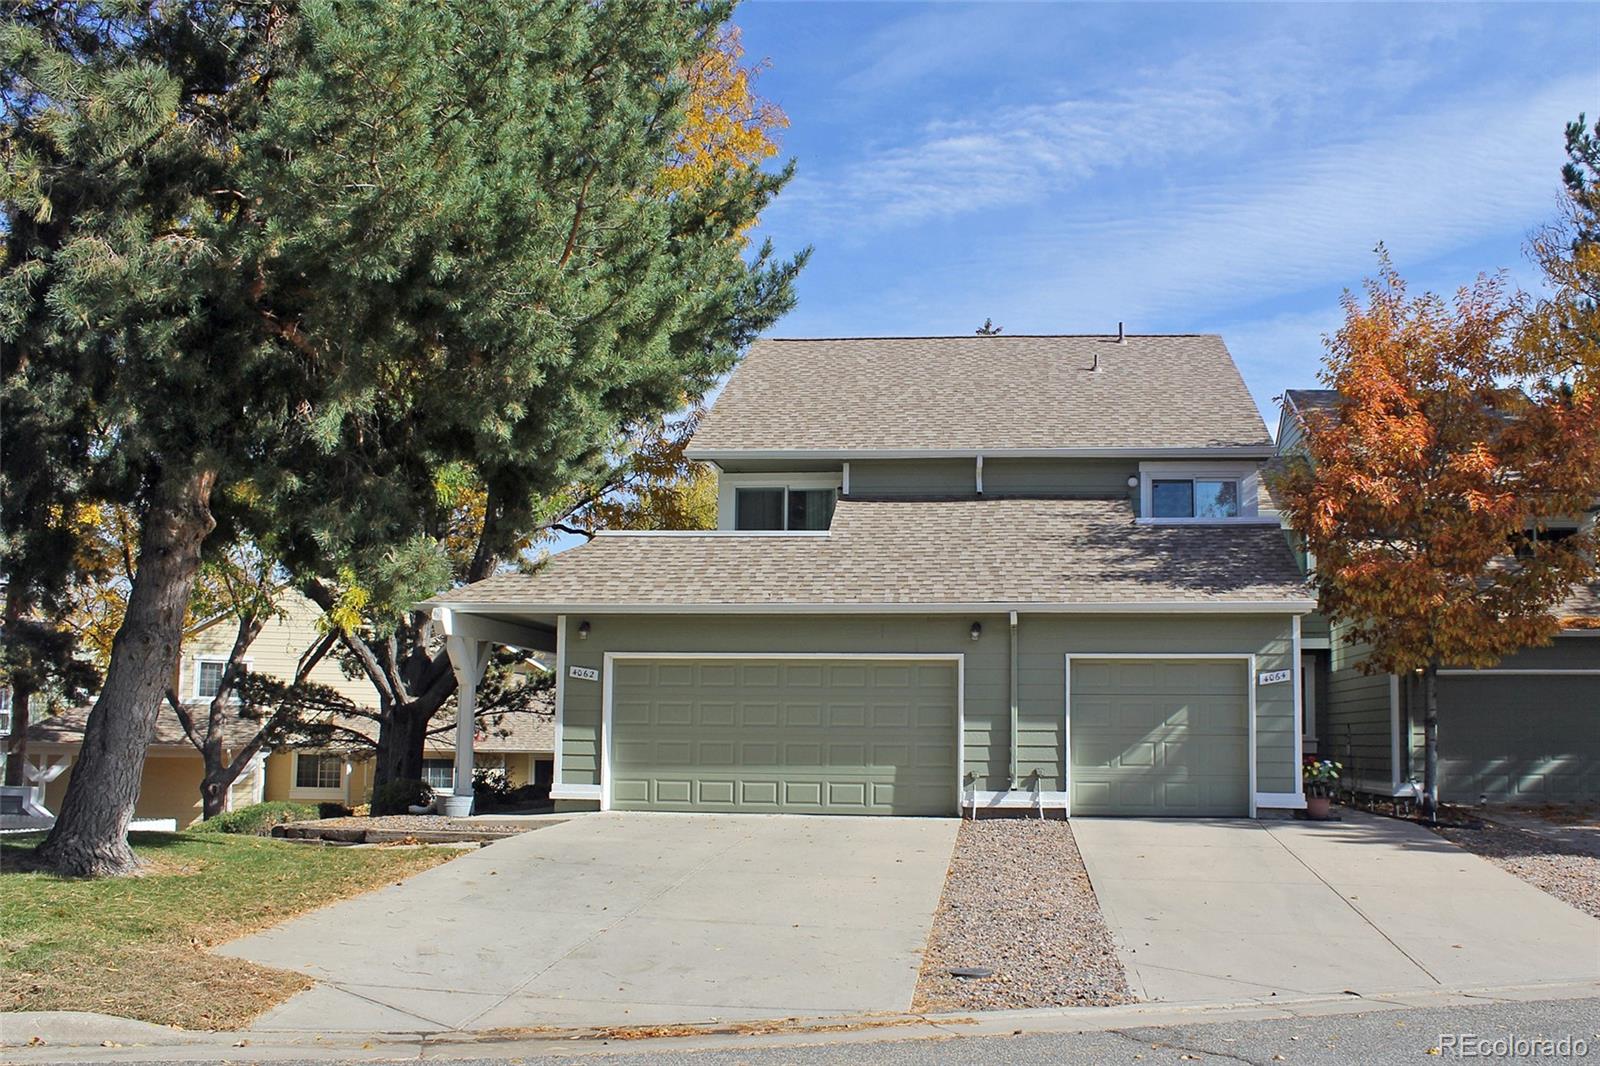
(1122, 338)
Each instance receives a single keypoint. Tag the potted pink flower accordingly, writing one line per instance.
(1321, 778)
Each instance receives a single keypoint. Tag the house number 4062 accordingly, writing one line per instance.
(583, 673)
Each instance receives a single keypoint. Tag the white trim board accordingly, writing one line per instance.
(1492, 671)
(1296, 606)
(561, 704)
(608, 697)
(722, 456)
(1247, 658)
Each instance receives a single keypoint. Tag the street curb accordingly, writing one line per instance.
(82, 1037)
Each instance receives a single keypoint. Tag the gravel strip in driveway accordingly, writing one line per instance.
(1017, 901)
(1563, 860)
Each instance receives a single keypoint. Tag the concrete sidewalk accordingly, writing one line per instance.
(1229, 909)
(627, 919)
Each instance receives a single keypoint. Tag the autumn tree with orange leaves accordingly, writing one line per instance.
(1427, 495)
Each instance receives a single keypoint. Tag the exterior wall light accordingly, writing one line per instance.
(583, 630)
(977, 630)
(1133, 481)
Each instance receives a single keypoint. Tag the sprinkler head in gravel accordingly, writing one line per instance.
(967, 972)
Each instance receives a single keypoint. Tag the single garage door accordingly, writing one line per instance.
(1159, 736)
(800, 736)
(1519, 739)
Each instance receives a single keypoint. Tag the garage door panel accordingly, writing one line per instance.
(1159, 737)
(809, 737)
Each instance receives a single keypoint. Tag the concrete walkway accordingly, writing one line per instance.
(1208, 911)
(627, 919)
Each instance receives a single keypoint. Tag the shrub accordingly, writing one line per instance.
(259, 818)
(397, 797)
(332, 810)
(491, 785)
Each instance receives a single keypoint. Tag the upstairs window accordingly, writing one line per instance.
(1194, 498)
(783, 508)
(208, 677)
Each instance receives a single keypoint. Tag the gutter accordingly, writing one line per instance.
(720, 456)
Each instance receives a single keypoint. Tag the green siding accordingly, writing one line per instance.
(1092, 478)
(1354, 724)
(1098, 478)
(1044, 641)
(913, 477)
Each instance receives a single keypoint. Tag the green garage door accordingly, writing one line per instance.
(800, 736)
(1520, 739)
(1159, 737)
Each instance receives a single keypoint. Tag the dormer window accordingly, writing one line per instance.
(1194, 498)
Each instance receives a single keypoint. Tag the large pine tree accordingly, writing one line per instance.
(286, 267)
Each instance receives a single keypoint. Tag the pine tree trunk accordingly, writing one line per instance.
(90, 837)
(1430, 741)
(17, 742)
(401, 737)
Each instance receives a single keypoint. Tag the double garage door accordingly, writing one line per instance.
(1166, 737)
(799, 736)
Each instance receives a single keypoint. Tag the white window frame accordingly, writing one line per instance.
(5, 710)
(222, 660)
(729, 484)
(1246, 474)
(437, 789)
(339, 793)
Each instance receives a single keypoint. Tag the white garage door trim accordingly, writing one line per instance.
(1249, 663)
(609, 693)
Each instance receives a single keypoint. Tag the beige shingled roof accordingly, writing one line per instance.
(983, 393)
(921, 552)
(532, 730)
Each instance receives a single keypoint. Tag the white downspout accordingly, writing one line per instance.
(1013, 689)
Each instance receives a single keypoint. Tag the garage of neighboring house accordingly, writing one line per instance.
(1156, 736)
(797, 734)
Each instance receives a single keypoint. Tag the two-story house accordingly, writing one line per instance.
(338, 772)
(950, 572)
(1526, 730)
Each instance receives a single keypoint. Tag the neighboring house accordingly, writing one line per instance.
(340, 772)
(1526, 730)
(950, 572)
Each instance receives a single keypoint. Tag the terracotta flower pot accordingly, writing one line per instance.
(1317, 807)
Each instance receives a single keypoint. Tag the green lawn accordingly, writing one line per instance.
(136, 946)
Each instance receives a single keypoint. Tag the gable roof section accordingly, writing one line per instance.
(908, 554)
(880, 395)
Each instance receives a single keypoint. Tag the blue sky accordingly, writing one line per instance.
(1182, 168)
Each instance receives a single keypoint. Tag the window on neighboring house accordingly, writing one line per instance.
(1525, 545)
(1194, 498)
(5, 712)
(318, 771)
(783, 508)
(208, 677)
(439, 774)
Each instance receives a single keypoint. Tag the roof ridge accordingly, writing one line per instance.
(974, 336)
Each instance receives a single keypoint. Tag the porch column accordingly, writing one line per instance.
(468, 658)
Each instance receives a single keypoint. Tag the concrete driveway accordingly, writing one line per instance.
(1231, 910)
(627, 919)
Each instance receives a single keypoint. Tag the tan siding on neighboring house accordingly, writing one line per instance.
(169, 788)
(276, 652)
